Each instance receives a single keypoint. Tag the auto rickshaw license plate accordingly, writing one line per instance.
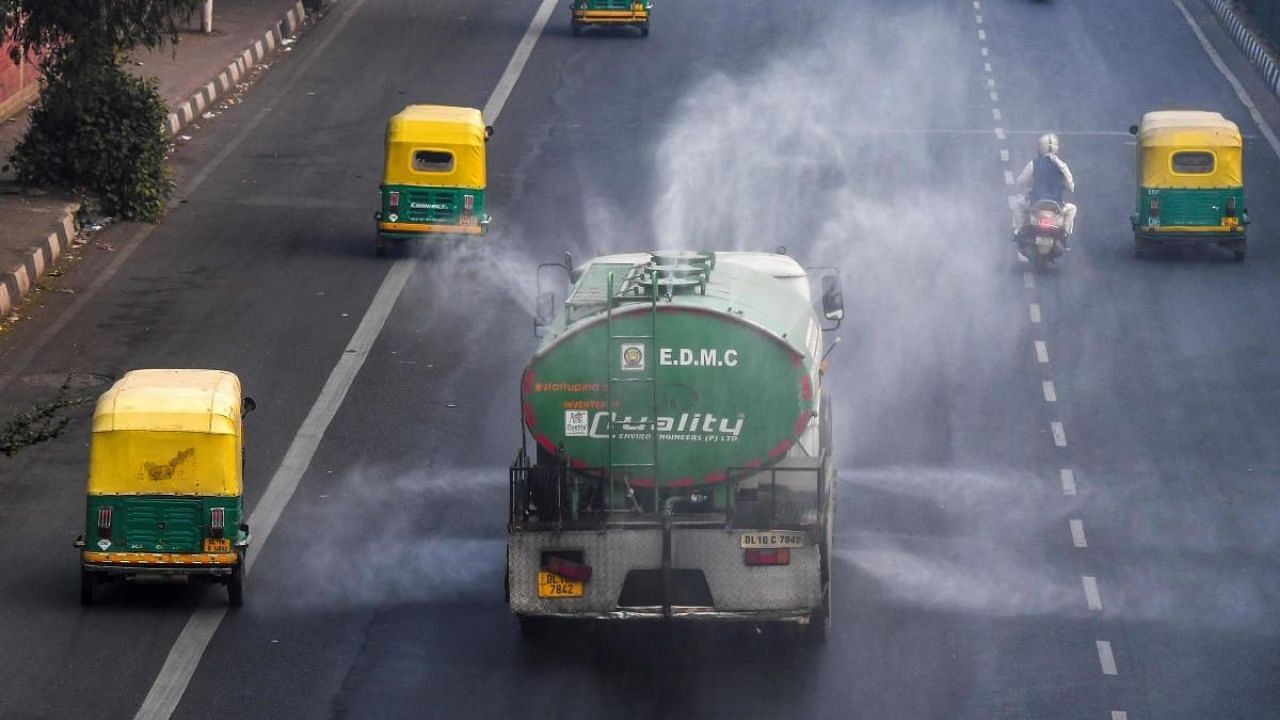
(551, 585)
(217, 544)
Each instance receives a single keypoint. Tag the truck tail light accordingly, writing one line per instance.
(217, 521)
(767, 556)
(393, 200)
(104, 522)
(1231, 207)
(567, 569)
(1153, 208)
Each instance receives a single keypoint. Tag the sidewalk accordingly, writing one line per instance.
(36, 226)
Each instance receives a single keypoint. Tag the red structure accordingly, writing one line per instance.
(19, 84)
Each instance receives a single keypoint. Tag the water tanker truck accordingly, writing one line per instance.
(675, 459)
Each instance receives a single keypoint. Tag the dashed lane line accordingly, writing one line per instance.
(1008, 177)
(1091, 596)
(1000, 136)
(1077, 533)
(1106, 658)
(982, 35)
(1119, 715)
(1042, 352)
(995, 114)
(1050, 392)
(1068, 481)
(1034, 309)
(1059, 433)
(1028, 281)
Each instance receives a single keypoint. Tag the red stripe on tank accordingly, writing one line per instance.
(544, 441)
(802, 421)
(528, 416)
(527, 384)
(780, 449)
(576, 463)
(714, 478)
(806, 388)
(681, 482)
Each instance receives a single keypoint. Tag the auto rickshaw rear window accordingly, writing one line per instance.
(432, 161)
(1193, 162)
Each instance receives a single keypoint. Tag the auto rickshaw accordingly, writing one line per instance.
(165, 490)
(1190, 182)
(433, 181)
(611, 12)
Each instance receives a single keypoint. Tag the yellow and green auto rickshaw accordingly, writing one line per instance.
(634, 13)
(1190, 182)
(165, 481)
(433, 182)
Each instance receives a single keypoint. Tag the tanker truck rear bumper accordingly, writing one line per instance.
(712, 576)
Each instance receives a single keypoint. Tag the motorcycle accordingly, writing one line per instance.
(1042, 239)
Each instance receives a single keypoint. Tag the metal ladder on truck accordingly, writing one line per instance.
(632, 360)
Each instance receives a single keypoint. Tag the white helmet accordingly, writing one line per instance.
(1048, 144)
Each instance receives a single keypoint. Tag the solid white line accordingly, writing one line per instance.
(1077, 533)
(1231, 78)
(1068, 482)
(1042, 352)
(1035, 312)
(507, 83)
(1050, 393)
(1008, 177)
(184, 657)
(1028, 281)
(1091, 596)
(1059, 434)
(1106, 658)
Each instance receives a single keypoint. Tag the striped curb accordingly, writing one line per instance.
(1248, 42)
(219, 86)
(16, 283)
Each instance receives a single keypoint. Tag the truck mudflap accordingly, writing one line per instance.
(709, 575)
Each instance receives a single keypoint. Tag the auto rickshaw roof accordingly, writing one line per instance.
(1187, 128)
(444, 124)
(201, 401)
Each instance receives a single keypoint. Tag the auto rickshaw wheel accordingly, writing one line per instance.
(235, 585)
(87, 581)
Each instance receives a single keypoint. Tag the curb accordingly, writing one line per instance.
(226, 80)
(16, 283)
(1248, 42)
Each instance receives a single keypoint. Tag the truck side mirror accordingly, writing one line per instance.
(832, 298)
(544, 310)
(1133, 129)
(247, 406)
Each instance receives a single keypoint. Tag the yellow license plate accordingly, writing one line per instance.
(551, 585)
(217, 544)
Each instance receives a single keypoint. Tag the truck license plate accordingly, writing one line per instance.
(551, 585)
(217, 544)
(774, 539)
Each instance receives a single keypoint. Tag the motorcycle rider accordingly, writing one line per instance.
(1045, 178)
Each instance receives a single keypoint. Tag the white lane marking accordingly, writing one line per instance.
(1119, 715)
(184, 657)
(1042, 352)
(1077, 533)
(982, 34)
(986, 67)
(1035, 312)
(507, 82)
(1091, 596)
(1000, 133)
(1059, 433)
(1244, 97)
(978, 18)
(1050, 392)
(977, 5)
(1008, 177)
(1028, 281)
(995, 97)
(995, 114)
(1106, 658)
(1013, 201)
(984, 52)
(1004, 156)
(991, 82)
(1068, 482)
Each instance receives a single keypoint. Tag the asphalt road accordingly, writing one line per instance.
(975, 578)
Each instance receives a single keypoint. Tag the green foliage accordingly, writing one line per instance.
(101, 130)
(95, 128)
